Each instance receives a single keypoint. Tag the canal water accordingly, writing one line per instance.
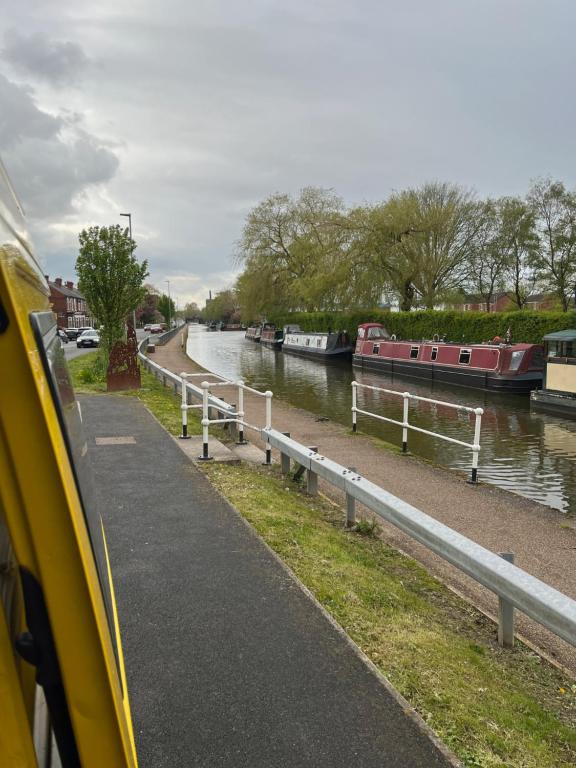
(531, 454)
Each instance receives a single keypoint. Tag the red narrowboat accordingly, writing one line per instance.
(498, 366)
(253, 332)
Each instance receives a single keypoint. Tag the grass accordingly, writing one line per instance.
(493, 707)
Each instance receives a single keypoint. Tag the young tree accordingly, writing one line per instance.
(555, 211)
(110, 278)
(166, 307)
(148, 312)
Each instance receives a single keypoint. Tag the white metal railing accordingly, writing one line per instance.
(234, 414)
(514, 587)
(405, 423)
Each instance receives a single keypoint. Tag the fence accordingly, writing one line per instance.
(514, 587)
(405, 424)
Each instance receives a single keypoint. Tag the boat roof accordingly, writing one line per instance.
(568, 335)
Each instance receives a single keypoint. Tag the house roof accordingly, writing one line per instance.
(72, 292)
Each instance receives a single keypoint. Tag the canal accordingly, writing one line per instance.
(531, 454)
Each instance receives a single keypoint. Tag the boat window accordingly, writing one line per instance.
(464, 358)
(318, 342)
(434, 353)
(552, 348)
(360, 333)
(414, 352)
(307, 342)
(375, 349)
(376, 333)
(516, 359)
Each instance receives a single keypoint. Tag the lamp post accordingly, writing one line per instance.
(129, 217)
(169, 307)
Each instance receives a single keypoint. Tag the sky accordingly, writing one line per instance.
(187, 113)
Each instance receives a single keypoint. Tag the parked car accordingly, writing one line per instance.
(156, 329)
(148, 327)
(89, 338)
(73, 333)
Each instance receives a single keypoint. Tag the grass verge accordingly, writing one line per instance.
(493, 707)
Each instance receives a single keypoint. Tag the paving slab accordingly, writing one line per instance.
(229, 661)
(219, 452)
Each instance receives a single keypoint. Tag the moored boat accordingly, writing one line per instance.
(231, 327)
(558, 395)
(497, 366)
(253, 332)
(271, 336)
(333, 345)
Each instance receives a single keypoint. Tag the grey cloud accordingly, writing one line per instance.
(51, 159)
(43, 59)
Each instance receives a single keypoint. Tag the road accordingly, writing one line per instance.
(71, 350)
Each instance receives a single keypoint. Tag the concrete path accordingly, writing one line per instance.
(541, 538)
(229, 662)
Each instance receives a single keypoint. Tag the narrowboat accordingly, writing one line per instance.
(497, 366)
(334, 345)
(271, 336)
(232, 327)
(253, 332)
(558, 395)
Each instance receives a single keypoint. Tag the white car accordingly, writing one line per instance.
(89, 338)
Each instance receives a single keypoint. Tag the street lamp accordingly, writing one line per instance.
(129, 217)
(169, 306)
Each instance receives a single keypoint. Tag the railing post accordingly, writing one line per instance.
(205, 422)
(184, 407)
(268, 395)
(350, 506)
(406, 396)
(285, 459)
(476, 448)
(506, 613)
(233, 424)
(312, 477)
(241, 440)
(354, 404)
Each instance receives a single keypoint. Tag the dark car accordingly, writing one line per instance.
(89, 338)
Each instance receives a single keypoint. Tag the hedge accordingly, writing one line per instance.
(524, 326)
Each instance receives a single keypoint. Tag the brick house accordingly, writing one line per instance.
(68, 304)
(503, 302)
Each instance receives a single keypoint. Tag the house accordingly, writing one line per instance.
(68, 304)
(504, 302)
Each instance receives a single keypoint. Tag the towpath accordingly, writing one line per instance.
(543, 541)
(230, 664)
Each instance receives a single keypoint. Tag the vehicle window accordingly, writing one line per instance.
(434, 353)
(375, 349)
(56, 370)
(464, 358)
(414, 352)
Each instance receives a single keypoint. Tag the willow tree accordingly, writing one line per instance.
(292, 252)
(110, 278)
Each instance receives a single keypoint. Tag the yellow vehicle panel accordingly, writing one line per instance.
(56, 597)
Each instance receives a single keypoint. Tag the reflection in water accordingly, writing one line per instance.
(532, 454)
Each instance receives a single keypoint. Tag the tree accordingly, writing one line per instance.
(148, 312)
(555, 211)
(110, 278)
(488, 260)
(166, 307)
(445, 224)
(191, 311)
(519, 241)
(223, 307)
(291, 250)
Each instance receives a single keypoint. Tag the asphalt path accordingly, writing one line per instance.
(230, 663)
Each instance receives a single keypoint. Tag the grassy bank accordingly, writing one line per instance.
(493, 707)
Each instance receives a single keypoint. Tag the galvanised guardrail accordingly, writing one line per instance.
(514, 587)
(406, 425)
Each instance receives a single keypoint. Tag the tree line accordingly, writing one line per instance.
(423, 247)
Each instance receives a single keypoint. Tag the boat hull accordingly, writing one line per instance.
(271, 343)
(471, 378)
(319, 354)
(554, 403)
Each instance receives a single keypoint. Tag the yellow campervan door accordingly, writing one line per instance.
(63, 698)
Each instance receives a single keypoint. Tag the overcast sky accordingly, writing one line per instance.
(189, 112)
